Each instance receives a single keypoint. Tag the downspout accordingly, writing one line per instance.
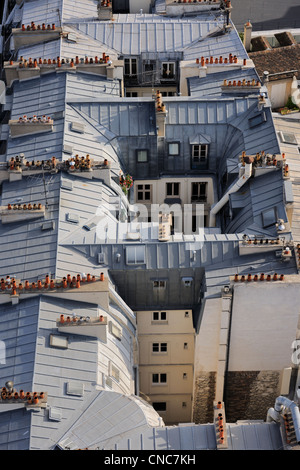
(232, 189)
(283, 402)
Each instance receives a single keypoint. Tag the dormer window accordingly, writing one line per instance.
(168, 70)
(199, 155)
(130, 67)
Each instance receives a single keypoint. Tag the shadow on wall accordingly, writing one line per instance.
(260, 14)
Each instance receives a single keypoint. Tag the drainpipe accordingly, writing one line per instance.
(274, 413)
(232, 189)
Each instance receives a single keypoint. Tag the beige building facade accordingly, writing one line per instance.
(166, 362)
(180, 194)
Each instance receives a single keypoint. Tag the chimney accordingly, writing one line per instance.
(247, 35)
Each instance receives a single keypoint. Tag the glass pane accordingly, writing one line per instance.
(174, 149)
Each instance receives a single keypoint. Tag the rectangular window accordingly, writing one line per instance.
(168, 70)
(159, 347)
(130, 67)
(144, 192)
(173, 148)
(135, 254)
(199, 152)
(159, 284)
(159, 406)
(131, 94)
(115, 373)
(159, 316)
(159, 378)
(199, 192)
(172, 189)
(142, 156)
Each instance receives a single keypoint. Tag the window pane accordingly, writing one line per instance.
(163, 315)
(133, 66)
(163, 378)
(155, 315)
(163, 347)
(155, 347)
(174, 149)
(159, 405)
(142, 156)
(155, 378)
(169, 189)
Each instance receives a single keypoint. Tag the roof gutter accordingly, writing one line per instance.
(232, 189)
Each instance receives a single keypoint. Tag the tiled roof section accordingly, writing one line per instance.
(278, 60)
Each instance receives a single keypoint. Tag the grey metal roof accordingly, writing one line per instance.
(211, 84)
(134, 38)
(240, 436)
(26, 250)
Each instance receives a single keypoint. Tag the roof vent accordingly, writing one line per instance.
(50, 225)
(68, 149)
(101, 258)
(54, 414)
(75, 388)
(65, 184)
(77, 127)
(72, 218)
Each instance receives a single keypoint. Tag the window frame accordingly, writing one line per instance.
(169, 64)
(199, 197)
(144, 190)
(160, 377)
(129, 62)
(162, 348)
(159, 315)
(172, 154)
(138, 151)
(173, 185)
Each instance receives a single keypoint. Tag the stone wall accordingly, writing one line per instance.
(250, 394)
(204, 395)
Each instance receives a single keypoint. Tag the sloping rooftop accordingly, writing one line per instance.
(89, 117)
(278, 60)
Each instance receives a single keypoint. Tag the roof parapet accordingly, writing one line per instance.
(21, 212)
(80, 325)
(104, 10)
(91, 288)
(85, 167)
(32, 34)
(220, 425)
(28, 399)
(29, 126)
(25, 69)
(190, 7)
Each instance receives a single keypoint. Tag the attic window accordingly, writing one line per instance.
(269, 217)
(159, 284)
(135, 254)
(288, 138)
(173, 148)
(142, 155)
(257, 120)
